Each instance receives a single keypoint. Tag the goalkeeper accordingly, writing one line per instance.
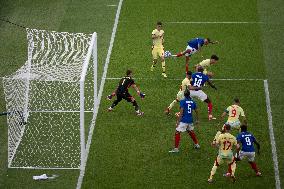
(121, 92)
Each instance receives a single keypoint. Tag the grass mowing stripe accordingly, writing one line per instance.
(82, 172)
(184, 22)
(272, 138)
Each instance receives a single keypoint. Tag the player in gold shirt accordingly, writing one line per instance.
(207, 63)
(158, 48)
(235, 113)
(225, 143)
(180, 95)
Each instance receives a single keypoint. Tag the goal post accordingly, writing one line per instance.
(50, 101)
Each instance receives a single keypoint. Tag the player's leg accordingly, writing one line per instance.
(118, 99)
(210, 108)
(232, 168)
(132, 100)
(155, 58)
(180, 96)
(251, 157)
(181, 127)
(190, 131)
(217, 162)
(162, 57)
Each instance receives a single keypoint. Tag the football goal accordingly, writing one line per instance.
(50, 100)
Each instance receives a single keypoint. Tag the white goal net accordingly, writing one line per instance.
(50, 100)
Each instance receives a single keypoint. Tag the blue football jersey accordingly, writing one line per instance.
(195, 43)
(188, 106)
(198, 79)
(246, 139)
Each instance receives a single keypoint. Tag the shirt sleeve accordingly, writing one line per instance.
(242, 112)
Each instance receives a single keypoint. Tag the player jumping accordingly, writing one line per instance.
(207, 63)
(121, 92)
(225, 142)
(193, 46)
(185, 121)
(158, 48)
(198, 79)
(180, 95)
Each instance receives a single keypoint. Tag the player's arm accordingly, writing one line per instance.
(180, 114)
(142, 95)
(211, 84)
(257, 146)
(238, 149)
(224, 114)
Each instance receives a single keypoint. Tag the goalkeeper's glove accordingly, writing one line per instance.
(142, 95)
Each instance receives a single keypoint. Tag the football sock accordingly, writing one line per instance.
(177, 139)
(213, 171)
(253, 166)
(172, 104)
(210, 107)
(179, 54)
(193, 137)
(164, 66)
(233, 168)
(135, 105)
(186, 67)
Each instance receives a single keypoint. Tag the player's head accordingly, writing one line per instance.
(200, 69)
(186, 93)
(244, 128)
(128, 72)
(227, 127)
(188, 74)
(236, 100)
(207, 41)
(159, 25)
(213, 59)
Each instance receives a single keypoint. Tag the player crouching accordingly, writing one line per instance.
(121, 92)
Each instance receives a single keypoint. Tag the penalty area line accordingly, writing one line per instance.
(271, 134)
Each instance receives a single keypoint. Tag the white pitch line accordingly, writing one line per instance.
(220, 79)
(214, 22)
(272, 138)
(82, 171)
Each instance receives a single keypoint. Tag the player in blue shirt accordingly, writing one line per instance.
(185, 121)
(193, 46)
(198, 79)
(247, 141)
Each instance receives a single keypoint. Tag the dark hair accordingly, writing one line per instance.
(215, 57)
(186, 92)
(188, 73)
(200, 69)
(159, 23)
(227, 127)
(244, 128)
(208, 39)
(236, 100)
(128, 72)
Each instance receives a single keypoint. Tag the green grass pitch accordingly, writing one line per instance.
(132, 152)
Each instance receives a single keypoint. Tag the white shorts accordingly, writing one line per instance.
(198, 94)
(234, 124)
(192, 50)
(182, 127)
(249, 155)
